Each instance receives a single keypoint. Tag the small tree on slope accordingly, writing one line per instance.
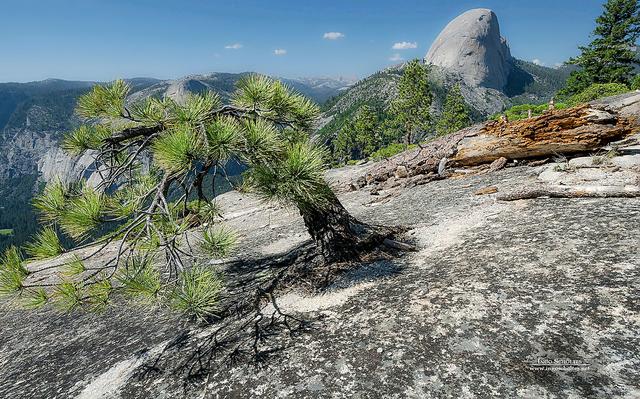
(455, 113)
(411, 108)
(610, 57)
(152, 209)
(360, 137)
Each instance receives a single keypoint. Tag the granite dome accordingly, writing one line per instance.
(471, 45)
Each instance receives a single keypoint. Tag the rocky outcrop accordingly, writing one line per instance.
(526, 299)
(472, 46)
(470, 53)
(559, 132)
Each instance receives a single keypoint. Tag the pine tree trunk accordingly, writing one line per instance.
(408, 136)
(338, 235)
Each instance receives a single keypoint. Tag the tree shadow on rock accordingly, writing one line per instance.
(251, 327)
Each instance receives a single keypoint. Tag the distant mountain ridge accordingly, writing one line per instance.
(469, 52)
(34, 115)
(318, 89)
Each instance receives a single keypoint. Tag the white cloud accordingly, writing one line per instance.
(404, 45)
(234, 46)
(558, 65)
(279, 51)
(333, 35)
(396, 58)
(537, 62)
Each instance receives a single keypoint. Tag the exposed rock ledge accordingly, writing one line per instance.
(570, 131)
(493, 286)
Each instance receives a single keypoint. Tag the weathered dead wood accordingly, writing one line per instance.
(576, 130)
(572, 192)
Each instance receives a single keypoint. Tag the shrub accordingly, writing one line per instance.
(390, 150)
(598, 90)
(519, 112)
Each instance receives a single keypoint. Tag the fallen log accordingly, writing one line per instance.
(581, 129)
(572, 192)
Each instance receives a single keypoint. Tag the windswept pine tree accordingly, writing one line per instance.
(155, 160)
(411, 109)
(611, 56)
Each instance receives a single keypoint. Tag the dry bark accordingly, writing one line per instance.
(570, 131)
(340, 237)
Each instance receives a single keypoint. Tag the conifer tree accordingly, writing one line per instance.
(155, 159)
(610, 57)
(455, 113)
(360, 137)
(411, 109)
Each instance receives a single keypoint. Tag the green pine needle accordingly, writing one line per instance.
(98, 294)
(85, 138)
(262, 142)
(176, 150)
(297, 179)
(45, 244)
(12, 259)
(282, 101)
(151, 111)
(34, 298)
(12, 271)
(52, 202)
(223, 139)
(10, 282)
(73, 268)
(208, 212)
(197, 292)
(140, 279)
(304, 113)
(196, 110)
(83, 214)
(218, 241)
(67, 295)
(132, 196)
(104, 101)
(253, 92)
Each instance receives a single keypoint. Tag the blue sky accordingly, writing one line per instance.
(106, 39)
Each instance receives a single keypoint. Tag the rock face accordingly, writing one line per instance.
(492, 288)
(470, 53)
(471, 45)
